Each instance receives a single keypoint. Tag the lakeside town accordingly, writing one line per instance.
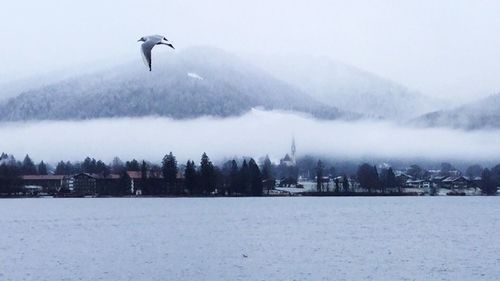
(236, 177)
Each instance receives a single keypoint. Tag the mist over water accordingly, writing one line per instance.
(255, 134)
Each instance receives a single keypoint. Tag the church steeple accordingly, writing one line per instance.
(294, 149)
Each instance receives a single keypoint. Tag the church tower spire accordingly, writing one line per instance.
(294, 149)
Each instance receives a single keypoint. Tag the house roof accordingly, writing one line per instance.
(134, 174)
(402, 174)
(98, 176)
(416, 181)
(87, 175)
(42, 177)
(131, 174)
(110, 176)
(454, 178)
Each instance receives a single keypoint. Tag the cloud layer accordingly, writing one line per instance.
(255, 134)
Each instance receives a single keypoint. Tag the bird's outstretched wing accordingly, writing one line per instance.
(146, 48)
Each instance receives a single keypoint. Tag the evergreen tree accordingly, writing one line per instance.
(268, 174)
(488, 183)
(244, 179)
(89, 165)
(190, 178)
(102, 169)
(234, 178)
(207, 175)
(474, 171)
(390, 181)
(345, 184)
(117, 166)
(28, 167)
(337, 185)
(10, 177)
(255, 178)
(155, 170)
(433, 190)
(376, 179)
(219, 181)
(307, 166)
(224, 178)
(72, 168)
(132, 165)
(169, 170)
(144, 178)
(267, 169)
(125, 183)
(387, 180)
(319, 176)
(366, 177)
(496, 173)
(42, 168)
(61, 168)
(446, 169)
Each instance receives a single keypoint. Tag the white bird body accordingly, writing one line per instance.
(149, 42)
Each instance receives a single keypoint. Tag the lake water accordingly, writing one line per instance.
(291, 238)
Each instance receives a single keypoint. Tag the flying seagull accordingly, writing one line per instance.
(149, 42)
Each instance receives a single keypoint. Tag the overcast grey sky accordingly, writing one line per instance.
(446, 48)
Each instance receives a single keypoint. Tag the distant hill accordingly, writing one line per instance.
(185, 84)
(349, 88)
(482, 114)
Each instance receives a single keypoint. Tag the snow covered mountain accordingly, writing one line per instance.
(482, 114)
(349, 88)
(194, 82)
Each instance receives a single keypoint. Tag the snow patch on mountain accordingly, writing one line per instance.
(195, 76)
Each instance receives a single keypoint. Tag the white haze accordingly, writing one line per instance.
(255, 134)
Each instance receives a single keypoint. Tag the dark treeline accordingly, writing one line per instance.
(235, 177)
(369, 178)
(169, 178)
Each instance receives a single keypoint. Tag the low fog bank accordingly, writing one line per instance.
(255, 134)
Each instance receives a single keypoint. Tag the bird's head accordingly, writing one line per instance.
(141, 40)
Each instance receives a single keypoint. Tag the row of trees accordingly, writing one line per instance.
(233, 177)
(166, 179)
(367, 176)
(202, 180)
(446, 170)
(370, 179)
(490, 180)
(341, 183)
(25, 167)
